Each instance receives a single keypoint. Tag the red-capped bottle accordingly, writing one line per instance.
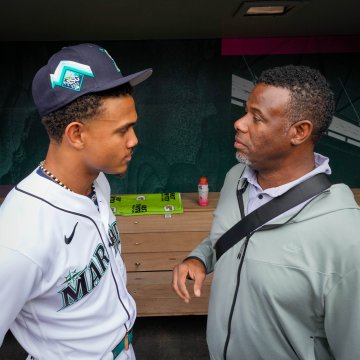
(203, 188)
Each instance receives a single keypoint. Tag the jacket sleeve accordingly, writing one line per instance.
(18, 279)
(205, 253)
(342, 317)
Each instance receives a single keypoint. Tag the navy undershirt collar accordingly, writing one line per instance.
(90, 196)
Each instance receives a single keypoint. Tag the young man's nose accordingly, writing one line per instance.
(133, 140)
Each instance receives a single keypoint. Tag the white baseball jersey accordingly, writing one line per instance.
(63, 282)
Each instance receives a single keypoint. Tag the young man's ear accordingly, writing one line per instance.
(73, 135)
(301, 131)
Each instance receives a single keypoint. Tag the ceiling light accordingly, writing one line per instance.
(269, 7)
(265, 10)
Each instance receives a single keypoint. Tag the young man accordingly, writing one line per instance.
(63, 280)
(292, 290)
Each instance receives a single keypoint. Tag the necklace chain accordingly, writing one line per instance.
(57, 181)
(52, 176)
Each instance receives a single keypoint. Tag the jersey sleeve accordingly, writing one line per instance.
(342, 317)
(18, 277)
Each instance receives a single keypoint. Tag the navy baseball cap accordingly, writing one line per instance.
(75, 71)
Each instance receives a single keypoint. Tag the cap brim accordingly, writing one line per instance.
(138, 77)
(133, 79)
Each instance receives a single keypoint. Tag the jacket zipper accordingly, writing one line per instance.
(240, 256)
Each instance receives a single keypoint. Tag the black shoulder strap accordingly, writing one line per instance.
(277, 206)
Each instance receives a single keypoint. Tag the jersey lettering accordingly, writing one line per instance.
(114, 236)
(95, 274)
(101, 257)
(72, 294)
(82, 283)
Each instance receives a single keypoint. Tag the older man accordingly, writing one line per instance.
(290, 290)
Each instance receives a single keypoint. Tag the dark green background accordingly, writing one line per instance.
(185, 125)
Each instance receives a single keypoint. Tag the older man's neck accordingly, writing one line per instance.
(269, 178)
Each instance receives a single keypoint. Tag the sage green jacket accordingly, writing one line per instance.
(299, 290)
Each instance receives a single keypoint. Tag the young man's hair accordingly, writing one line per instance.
(81, 109)
(310, 95)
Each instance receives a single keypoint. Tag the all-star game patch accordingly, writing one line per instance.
(72, 80)
(70, 75)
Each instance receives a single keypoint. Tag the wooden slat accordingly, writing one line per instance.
(163, 261)
(144, 283)
(154, 296)
(171, 307)
(158, 242)
(158, 223)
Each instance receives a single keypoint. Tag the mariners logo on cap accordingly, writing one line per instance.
(109, 56)
(70, 75)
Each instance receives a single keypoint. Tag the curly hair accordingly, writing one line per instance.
(81, 109)
(310, 95)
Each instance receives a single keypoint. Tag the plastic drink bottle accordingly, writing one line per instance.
(203, 188)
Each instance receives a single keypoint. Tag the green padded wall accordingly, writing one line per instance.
(185, 109)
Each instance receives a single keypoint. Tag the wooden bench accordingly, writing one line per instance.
(153, 244)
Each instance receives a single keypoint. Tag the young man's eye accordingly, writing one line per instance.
(123, 131)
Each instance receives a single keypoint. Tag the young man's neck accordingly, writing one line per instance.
(69, 170)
